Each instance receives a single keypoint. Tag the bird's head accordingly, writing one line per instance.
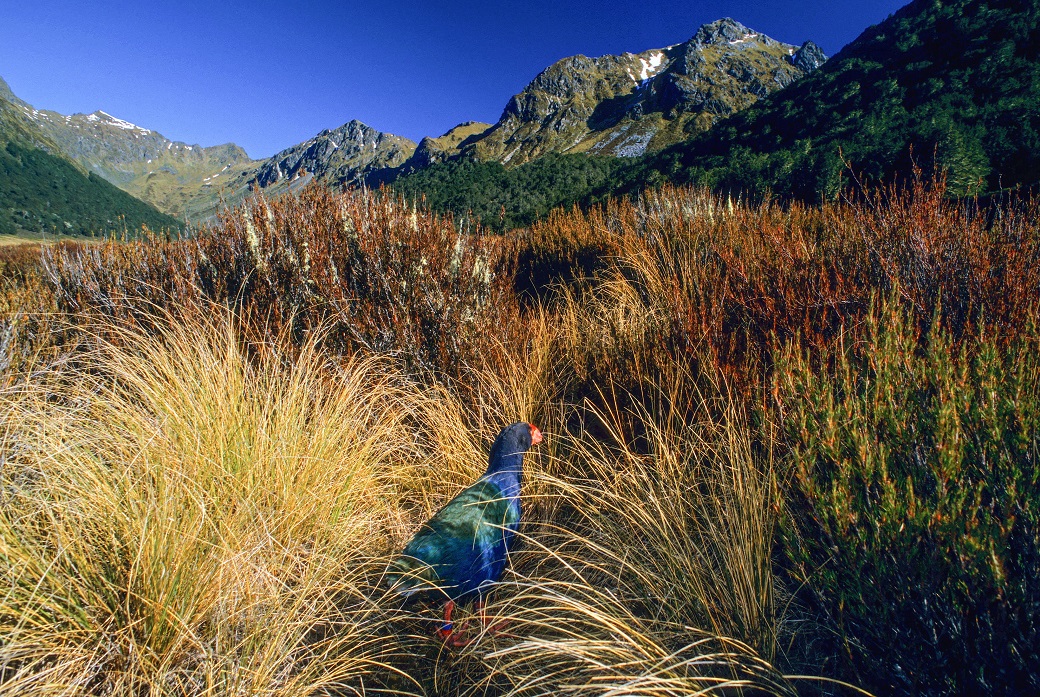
(512, 442)
(536, 435)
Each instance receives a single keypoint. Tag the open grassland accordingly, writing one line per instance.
(789, 450)
(16, 240)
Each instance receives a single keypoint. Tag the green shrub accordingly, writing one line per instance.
(914, 504)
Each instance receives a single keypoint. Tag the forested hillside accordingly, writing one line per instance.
(950, 85)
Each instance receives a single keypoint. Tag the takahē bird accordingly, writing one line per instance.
(463, 548)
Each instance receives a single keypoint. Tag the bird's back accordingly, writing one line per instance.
(465, 545)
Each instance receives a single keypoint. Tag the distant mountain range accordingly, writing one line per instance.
(957, 82)
(622, 106)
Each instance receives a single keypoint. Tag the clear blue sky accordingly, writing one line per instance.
(267, 75)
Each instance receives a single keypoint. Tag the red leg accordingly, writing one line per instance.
(450, 634)
(448, 628)
(457, 637)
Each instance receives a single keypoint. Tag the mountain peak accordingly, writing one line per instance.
(809, 57)
(104, 118)
(343, 155)
(357, 126)
(627, 104)
(725, 30)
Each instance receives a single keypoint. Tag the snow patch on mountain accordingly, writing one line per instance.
(651, 66)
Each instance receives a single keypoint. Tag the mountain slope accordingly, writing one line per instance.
(175, 177)
(633, 103)
(430, 151)
(42, 191)
(959, 79)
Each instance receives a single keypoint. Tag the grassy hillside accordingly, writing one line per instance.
(179, 179)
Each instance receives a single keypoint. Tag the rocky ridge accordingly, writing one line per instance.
(430, 151)
(629, 104)
(342, 156)
(8, 96)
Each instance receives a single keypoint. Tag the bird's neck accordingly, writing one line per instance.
(506, 466)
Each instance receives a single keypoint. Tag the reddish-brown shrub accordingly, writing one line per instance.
(729, 282)
(370, 271)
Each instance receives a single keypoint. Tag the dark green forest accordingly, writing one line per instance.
(42, 193)
(503, 198)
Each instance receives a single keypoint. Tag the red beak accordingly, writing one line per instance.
(536, 435)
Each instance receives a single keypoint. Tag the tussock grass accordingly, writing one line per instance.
(179, 519)
(188, 514)
(27, 307)
(654, 574)
(637, 572)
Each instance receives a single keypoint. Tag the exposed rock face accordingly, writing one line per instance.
(725, 30)
(628, 104)
(809, 57)
(342, 156)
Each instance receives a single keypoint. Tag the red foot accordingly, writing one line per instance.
(458, 637)
(453, 636)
